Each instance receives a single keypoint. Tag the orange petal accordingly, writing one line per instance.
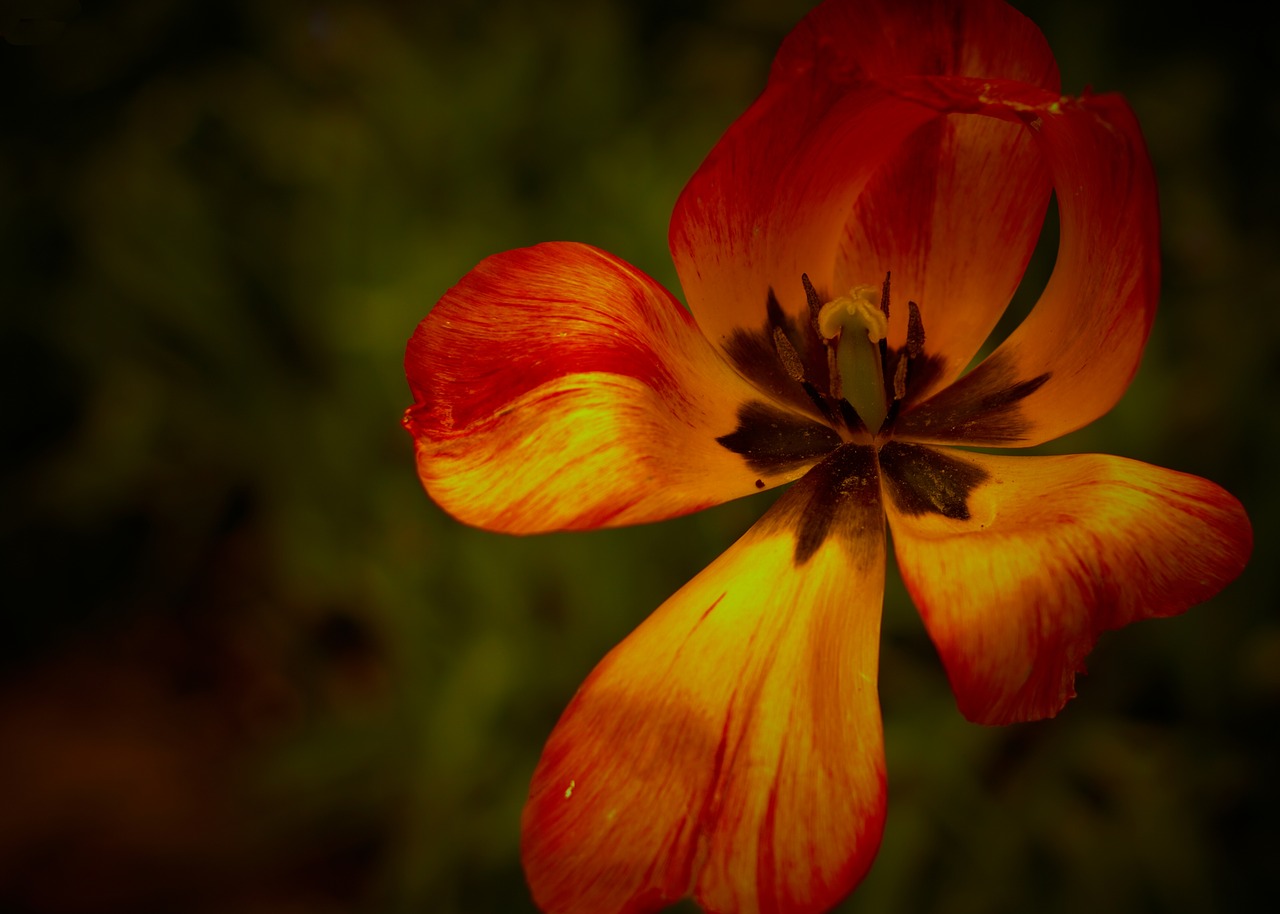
(954, 216)
(556, 387)
(1074, 355)
(731, 747)
(772, 199)
(1053, 552)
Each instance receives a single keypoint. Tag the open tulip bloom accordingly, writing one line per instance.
(845, 250)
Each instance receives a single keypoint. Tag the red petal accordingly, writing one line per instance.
(731, 747)
(954, 215)
(1074, 355)
(773, 197)
(1055, 551)
(556, 387)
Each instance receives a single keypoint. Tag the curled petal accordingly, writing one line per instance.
(731, 747)
(772, 199)
(1049, 553)
(556, 387)
(1078, 349)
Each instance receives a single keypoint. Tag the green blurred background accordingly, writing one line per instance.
(247, 666)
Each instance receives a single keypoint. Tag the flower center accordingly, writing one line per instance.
(854, 327)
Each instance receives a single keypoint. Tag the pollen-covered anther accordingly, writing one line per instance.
(853, 326)
(913, 350)
(787, 355)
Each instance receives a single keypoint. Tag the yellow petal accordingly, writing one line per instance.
(731, 747)
(1049, 553)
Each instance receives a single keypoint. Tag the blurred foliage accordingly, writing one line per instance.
(246, 665)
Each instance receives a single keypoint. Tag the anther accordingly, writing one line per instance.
(812, 298)
(900, 377)
(913, 349)
(787, 355)
(915, 330)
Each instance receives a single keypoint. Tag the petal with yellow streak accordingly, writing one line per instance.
(557, 387)
(1054, 551)
(731, 747)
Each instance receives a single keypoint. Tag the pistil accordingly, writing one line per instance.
(853, 326)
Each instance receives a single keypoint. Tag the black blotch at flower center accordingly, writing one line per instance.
(809, 419)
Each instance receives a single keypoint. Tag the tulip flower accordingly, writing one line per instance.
(845, 250)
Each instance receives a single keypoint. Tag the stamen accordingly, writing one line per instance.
(853, 326)
(915, 330)
(900, 377)
(788, 355)
(813, 299)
